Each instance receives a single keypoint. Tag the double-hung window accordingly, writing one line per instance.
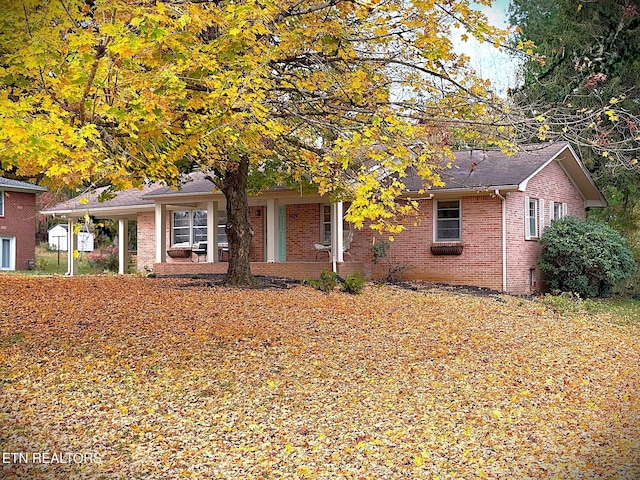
(188, 227)
(448, 221)
(325, 224)
(557, 210)
(530, 218)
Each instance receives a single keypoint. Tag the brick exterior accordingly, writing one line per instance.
(550, 184)
(19, 221)
(303, 231)
(480, 263)
(146, 255)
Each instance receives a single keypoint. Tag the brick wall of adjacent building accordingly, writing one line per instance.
(19, 221)
(550, 184)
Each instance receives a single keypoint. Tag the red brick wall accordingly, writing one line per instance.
(19, 221)
(303, 231)
(480, 261)
(296, 270)
(550, 184)
(257, 219)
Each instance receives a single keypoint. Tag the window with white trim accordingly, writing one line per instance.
(448, 221)
(326, 216)
(557, 210)
(325, 224)
(7, 253)
(1, 203)
(188, 227)
(530, 218)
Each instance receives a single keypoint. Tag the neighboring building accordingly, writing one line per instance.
(481, 228)
(58, 235)
(17, 224)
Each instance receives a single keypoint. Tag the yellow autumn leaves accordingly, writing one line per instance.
(174, 377)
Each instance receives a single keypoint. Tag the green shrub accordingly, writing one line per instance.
(326, 283)
(353, 284)
(567, 303)
(380, 250)
(584, 257)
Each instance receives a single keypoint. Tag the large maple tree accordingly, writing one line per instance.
(127, 91)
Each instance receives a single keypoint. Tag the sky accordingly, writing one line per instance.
(486, 60)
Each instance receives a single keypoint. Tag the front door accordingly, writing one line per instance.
(282, 234)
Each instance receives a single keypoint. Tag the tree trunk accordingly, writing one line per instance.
(239, 230)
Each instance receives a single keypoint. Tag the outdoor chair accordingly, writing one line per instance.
(200, 250)
(347, 238)
(320, 248)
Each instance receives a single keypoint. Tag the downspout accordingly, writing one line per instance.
(504, 239)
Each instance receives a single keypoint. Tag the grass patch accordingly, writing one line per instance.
(10, 339)
(624, 310)
(618, 310)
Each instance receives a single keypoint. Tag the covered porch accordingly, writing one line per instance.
(296, 234)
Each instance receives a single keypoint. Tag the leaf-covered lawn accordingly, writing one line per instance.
(169, 378)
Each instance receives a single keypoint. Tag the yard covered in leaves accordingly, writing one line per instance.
(170, 378)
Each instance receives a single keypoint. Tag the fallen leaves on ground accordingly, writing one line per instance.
(172, 378)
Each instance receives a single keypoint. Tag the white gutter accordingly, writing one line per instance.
(504, 239)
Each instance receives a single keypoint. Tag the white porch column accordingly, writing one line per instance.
(272, 230)
(337, 240)
(340, 231)
(72, 246)
(161, 233)
(123, 246)
(212, 231)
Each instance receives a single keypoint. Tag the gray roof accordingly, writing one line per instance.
(194, 184)
(17, 186)
(131, 197)
(484, 169)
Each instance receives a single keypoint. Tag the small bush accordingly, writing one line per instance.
(42, 264)
(567, 303)
(326, 283)
(584, 257)
(353, 284)
(395, 271)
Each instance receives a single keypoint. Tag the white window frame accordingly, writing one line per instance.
(12, 253)
(531, 231)
(325, 225)
(557, 210)
(1, 203)
(192, 227)
(436, 229)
